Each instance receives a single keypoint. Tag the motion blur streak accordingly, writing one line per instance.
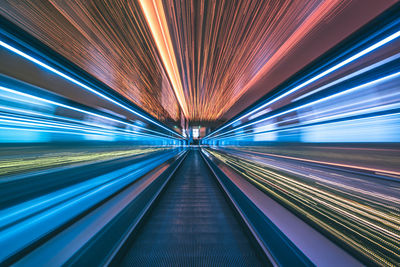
(315, 78)
(361, 211)
(44, 65)
(156, 20)
(116, 49)
(200, 132)
(318, 118)
(193, 57)
(60, 159)
(260, 37)
(325, 145)
(72, 108)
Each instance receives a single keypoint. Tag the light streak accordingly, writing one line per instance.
(194, 58)
(220, 48)
(366, 220)
(153, 11)
(312, 20)
(344, 92)
(358, 55)
(69, 78)
(68, 128)
(109, 40)
(310, 123)
(383, 172)
(75, 109)
(47, 159)
(354, 74)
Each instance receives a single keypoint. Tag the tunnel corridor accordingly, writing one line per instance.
(199, 133)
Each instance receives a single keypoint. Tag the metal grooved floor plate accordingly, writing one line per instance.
(192, 225)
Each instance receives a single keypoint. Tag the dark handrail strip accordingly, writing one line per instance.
(168, 174)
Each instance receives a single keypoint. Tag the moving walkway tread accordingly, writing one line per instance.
(192, 224)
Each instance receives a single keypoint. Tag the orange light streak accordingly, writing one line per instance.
(220, 46)
(314, 19)
(154, 14)
(170, 57)
(108, 39)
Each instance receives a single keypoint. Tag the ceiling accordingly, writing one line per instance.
(200, 60)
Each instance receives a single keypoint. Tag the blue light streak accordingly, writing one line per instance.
(327, 119)
(352, 75)
(317, 77)
(76, 109)
(68, 127)
(350, 90)
(63, 75)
